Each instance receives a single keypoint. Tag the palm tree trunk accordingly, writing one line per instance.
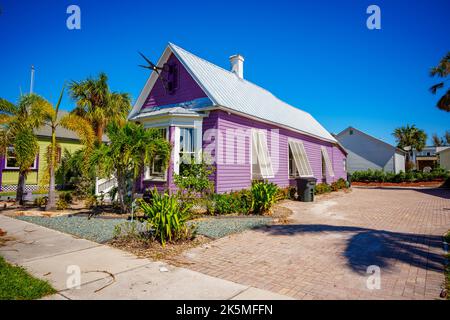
(20, 188)
(121, 186)
(51, 203)
(99, 132)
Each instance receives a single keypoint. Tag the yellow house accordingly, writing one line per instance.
(9, 173)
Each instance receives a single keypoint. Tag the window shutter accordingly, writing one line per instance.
(300, 158)
(262, 151)
(327, 161)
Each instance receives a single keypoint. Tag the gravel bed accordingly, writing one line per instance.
(98, 230)
(101, 230)
(221, 227)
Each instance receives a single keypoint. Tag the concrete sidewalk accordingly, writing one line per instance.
(109, 273)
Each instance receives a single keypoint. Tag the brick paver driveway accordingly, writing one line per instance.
(324, 253)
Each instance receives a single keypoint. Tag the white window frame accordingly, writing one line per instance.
(301, 161)
(328, 163)
(197, 125)
(148, 173)
(259, 142)
(33, 167)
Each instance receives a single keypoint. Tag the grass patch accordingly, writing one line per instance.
(17, 284)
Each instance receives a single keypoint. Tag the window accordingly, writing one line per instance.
(261, 162)
(11, 160)
(298, 160)
(187, 150)
(155, 170)
(326, 163)
(344, 163)
(351, 132)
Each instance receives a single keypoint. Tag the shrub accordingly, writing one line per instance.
(66, 196)
(410, 176)
(264, 195)
(341, 183)
(61, 204)
(234, 202)
(286, 193)
(166, 217)
(91, 201)
(321, 188)
(41, 201)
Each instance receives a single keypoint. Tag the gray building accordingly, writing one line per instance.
(367, 152)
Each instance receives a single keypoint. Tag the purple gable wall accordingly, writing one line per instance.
(238, 176)
(187, 90)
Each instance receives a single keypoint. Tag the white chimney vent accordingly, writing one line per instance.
(237, 65)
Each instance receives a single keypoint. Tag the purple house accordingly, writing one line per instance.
(247, 132)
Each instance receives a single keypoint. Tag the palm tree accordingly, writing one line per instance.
(447, 138)
(437, 141)
(97, 104)
(410, 138)
(18, 122)
(72, 122)
(131, 148)
(442, 70)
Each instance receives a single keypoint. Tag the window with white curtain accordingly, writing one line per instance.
(326, 161)
(298, 160)
(261, 162)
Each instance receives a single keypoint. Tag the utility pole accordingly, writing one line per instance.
(32, 79)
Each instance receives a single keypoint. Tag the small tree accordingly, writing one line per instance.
(18, 122)
(71, 122)
(412, 137)
(131, 148)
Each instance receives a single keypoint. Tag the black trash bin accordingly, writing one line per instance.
(305, 189)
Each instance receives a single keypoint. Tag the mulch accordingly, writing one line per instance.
(146, 248)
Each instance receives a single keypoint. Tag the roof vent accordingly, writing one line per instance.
(237, 65)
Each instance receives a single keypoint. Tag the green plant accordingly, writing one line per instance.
(62, 204)
(166, 218)
(410, 176)
(131, 148)
(286, 193)
(264, 196)
(66, 196)
(321, 188)
(234, 202)
(91, 202)
(194, 178)
(40, 201)
(129, 229)
(17, 284)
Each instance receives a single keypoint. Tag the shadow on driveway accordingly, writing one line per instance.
(367, 247)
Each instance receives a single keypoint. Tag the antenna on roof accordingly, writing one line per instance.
(32, 79)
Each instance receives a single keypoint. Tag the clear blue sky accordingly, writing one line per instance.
(316, 55)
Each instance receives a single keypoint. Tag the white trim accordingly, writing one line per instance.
(147, 176)
(176, 150)
(33, 167)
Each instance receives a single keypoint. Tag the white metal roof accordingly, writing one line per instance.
(226, 89)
